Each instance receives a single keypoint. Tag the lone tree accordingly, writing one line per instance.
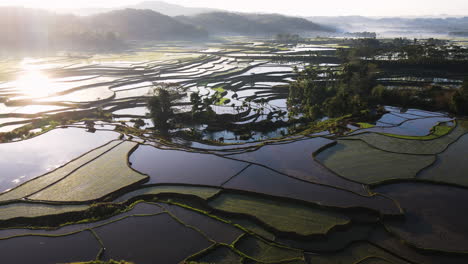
(160, 106)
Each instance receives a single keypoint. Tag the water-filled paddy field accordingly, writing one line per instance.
(81, 181)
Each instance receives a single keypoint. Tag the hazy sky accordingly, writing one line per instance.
(291, 7)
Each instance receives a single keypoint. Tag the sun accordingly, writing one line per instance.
(34, 83)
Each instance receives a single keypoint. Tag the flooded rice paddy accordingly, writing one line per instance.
(85, 183)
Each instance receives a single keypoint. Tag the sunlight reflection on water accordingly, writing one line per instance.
(34, 83)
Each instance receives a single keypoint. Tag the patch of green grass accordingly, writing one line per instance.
(45, 216)
(220, 89)
(436, 132)
(24, 132)
(42, 182)
(440, 130)
(108, 173)
(326, 125)
(280, 215)
(365, 125)
(357, 161)
(437, 142)
(223, 101)
(220, 93)
(202, 192)
(31, 210)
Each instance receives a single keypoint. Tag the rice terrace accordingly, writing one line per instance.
(287, 149)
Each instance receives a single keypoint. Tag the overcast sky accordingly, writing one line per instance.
(290, 7)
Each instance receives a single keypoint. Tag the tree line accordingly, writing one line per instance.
(355, 89)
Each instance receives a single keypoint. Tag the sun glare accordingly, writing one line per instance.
(34, 84)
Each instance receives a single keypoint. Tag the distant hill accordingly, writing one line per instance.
(39, 30)
(439, 24)
(219, 22)
(24, 29)
(164, 8)
(433, 25)
(252, 24)
(144, 25)
(171, 9)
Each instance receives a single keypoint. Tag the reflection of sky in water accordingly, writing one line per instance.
(28, 159)
(416, 127)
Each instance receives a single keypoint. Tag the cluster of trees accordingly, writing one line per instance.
(429, 97)
(226, 23)
(162, 103)
(201, 105)
(362, 48)
(364, 34)
(287, 38)
(162, 107)
(317, 93)
(402, 49)
(134, 24)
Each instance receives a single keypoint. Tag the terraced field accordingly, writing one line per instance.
(86, 177)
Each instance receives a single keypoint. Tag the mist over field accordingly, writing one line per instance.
(113, 28)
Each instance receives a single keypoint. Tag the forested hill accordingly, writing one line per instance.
(26, 29)
(252, 24)
(137, 24)
(32, 29)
